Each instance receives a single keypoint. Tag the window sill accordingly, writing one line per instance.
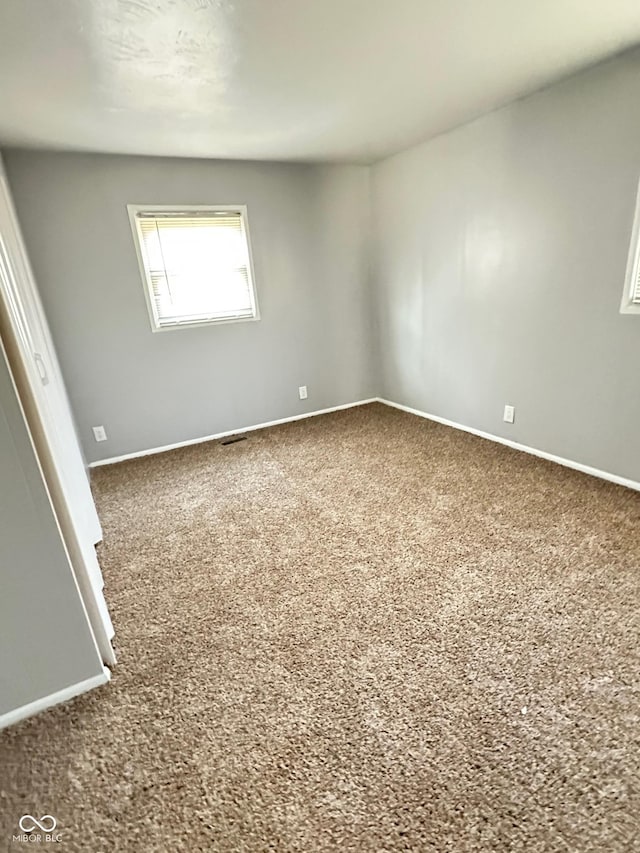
(172, 327)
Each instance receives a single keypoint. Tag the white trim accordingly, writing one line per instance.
(533, 451)
(12, 717)
(153, 450)
(628, 306)
(47, 415)
(542, 454)
(134, 209)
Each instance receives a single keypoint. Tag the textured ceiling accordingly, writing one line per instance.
(282, 79)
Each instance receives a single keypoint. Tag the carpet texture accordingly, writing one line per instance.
(359, 632)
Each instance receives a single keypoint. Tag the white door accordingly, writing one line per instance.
(50, 417)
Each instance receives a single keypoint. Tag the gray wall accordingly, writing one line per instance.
(309, 229)
(500, 254)
(45, 641)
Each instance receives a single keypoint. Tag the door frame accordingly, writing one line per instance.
(19, 300)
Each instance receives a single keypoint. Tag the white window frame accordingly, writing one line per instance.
(627, 305)
(186, 209)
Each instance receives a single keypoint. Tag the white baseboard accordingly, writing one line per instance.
(542, 454)
(112, 460)
(12, 717)
(533, 451)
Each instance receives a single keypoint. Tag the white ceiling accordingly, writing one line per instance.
(282, 79)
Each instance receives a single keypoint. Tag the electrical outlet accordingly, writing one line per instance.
(99, 433)
(509, 414)
(302, 392)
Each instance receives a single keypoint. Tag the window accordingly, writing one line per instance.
(195, 263)
(631, 295)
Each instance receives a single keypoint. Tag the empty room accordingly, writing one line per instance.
(319, 417)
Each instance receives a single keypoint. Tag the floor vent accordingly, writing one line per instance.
(234, 440)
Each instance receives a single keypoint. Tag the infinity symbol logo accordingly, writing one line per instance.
(28, 823)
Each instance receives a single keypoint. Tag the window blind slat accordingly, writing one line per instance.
(635, 296)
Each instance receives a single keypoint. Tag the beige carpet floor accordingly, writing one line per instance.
(360, 632)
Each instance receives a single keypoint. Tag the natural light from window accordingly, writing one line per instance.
(196, 265)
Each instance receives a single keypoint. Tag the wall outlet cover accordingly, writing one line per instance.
(302, 392)
(509, 414)
(99, 433)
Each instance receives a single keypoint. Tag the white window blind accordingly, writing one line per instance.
(196, 266)
(635, 293)
(631, 294)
